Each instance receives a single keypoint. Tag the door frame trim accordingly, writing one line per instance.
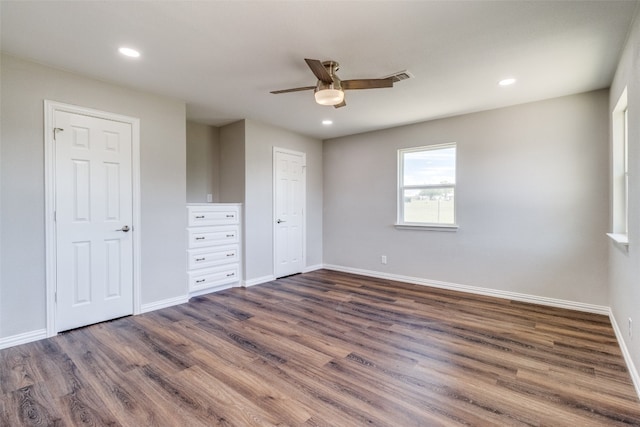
(304, 205)
(50, 108)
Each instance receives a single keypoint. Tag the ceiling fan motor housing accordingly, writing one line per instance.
(332, 67)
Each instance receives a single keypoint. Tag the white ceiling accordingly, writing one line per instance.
(223, 57)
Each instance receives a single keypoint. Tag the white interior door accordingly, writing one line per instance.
(289, 201)
(93, 219)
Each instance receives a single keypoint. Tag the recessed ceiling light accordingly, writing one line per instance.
(127, 51)
(507, 82)
(327, 122)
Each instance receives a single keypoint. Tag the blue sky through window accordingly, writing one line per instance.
(430, 167)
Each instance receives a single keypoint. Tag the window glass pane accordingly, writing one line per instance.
(429, 205)
(626, 139)
(619, 190)
(625, 184)
(430, 167)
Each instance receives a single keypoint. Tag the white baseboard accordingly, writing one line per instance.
(625, 353)
(553, 302)
(265, 279)
(258, 281)
(24, 338)
(313, 268)
(169, 302)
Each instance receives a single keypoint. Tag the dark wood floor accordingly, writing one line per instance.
(326, 349)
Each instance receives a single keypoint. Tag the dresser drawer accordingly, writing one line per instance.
(209, 278)
(212, 215)
(210, 236)
(212, 256)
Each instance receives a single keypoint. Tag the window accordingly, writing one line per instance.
(426, 186)
(620, 178)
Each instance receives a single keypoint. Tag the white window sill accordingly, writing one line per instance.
(621, 239)
(427, 227)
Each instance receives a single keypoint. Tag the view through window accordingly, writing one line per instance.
(427, 181)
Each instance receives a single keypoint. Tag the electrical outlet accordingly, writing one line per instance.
(209, 198)
(630, 328)
(383, 259)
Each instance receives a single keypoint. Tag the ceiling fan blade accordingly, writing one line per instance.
(319, 70)
(295, 89)
(342, 104)
(367, 83)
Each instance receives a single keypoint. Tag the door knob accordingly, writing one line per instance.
(279, 221)
(124, 229)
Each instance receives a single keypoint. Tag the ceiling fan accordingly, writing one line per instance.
(330, 89)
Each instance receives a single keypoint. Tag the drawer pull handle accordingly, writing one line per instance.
(200, 281)
(200, 238)
(231, 274)
(231, 235)
(231, 254)
(200, 259)
(199, 216)
(231, 216)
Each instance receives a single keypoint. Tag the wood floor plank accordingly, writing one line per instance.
(244, 412)
(18, 373)
(252, 391)
(327, 349)
(35, 407)
(113, 385)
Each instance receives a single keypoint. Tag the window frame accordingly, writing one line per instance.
(400, 222)
(620, 172)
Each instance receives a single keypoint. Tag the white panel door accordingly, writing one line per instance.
(94, 212)
(289, 200)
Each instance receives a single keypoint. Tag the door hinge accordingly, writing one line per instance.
(55, 216)
(55, 296)
(56, 130)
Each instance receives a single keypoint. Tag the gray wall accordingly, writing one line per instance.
(24, 86)
(203, 162)
(260, 140)
(532, 199)
(624, 278)
(232, 163)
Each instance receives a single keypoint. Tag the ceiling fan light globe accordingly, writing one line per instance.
(329, 96)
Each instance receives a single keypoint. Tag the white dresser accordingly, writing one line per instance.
(214, 256)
